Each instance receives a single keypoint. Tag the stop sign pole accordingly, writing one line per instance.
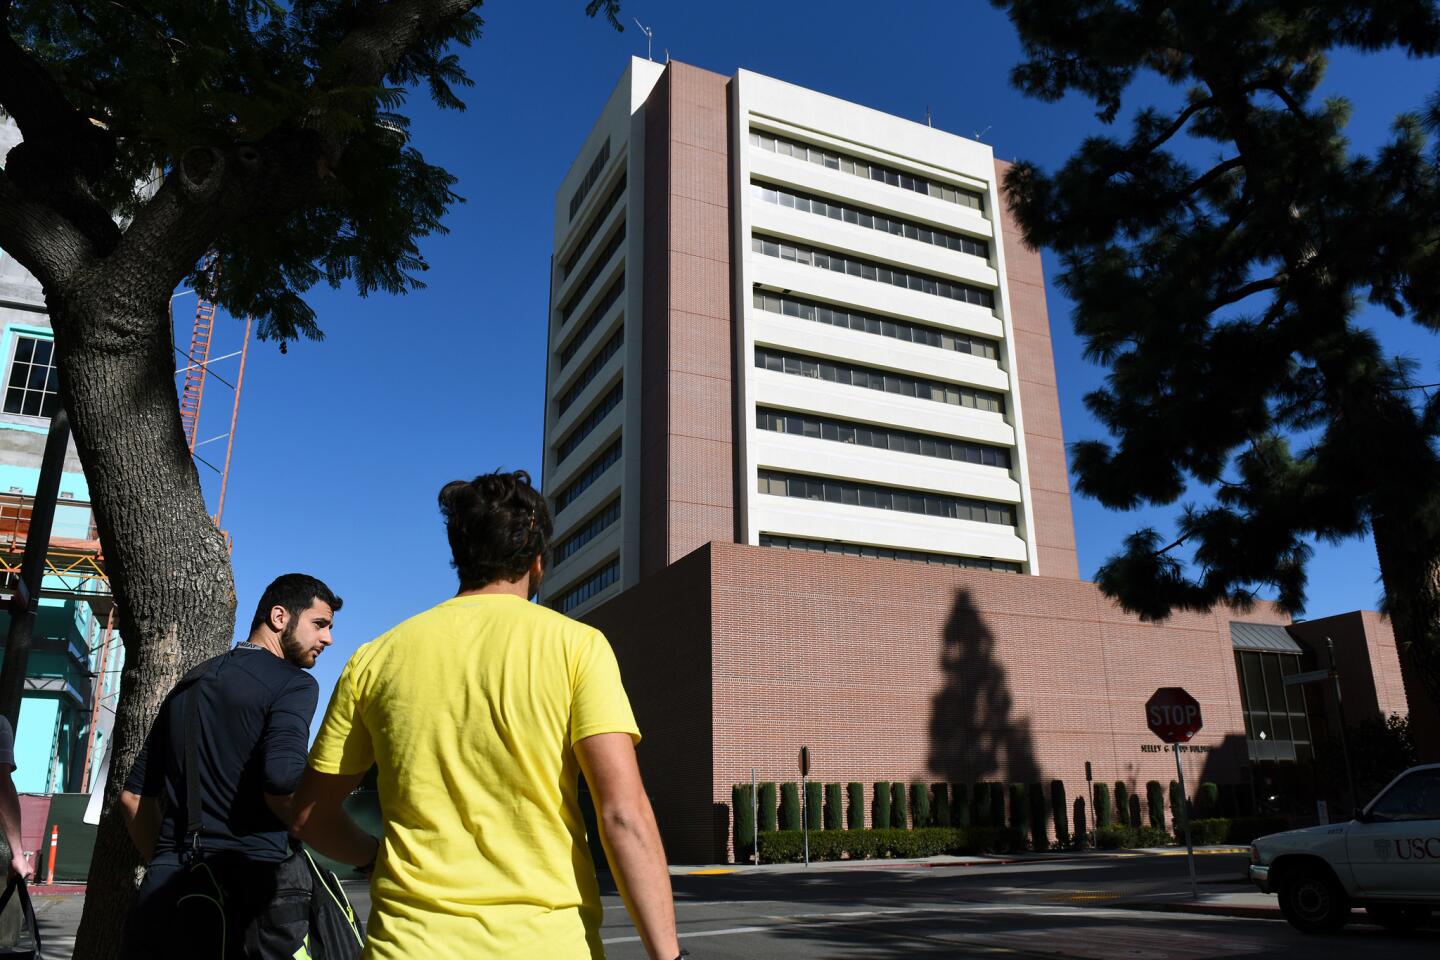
(1174, 716)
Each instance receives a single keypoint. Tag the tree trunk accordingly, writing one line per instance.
(168, 565)
(1410, 571)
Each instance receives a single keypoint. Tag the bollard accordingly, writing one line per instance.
(54, 842)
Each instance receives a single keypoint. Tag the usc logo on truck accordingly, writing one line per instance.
(1418, 848)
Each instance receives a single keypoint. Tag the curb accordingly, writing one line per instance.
(57, 889)
(1212, 909)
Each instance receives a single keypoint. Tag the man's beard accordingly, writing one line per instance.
(295, 652)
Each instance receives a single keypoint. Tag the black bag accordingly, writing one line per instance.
(22, 953)
(335, 932)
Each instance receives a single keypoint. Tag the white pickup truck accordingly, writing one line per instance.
(1387, 860)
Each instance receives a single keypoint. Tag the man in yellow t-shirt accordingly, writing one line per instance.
(481, 713)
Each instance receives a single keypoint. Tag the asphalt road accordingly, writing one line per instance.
(1087, 909)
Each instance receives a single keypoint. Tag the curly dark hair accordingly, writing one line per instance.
(497, 524)
(295, 592)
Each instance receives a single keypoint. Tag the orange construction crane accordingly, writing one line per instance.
(196, 366)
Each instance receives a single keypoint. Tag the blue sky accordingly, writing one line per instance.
(342, 445)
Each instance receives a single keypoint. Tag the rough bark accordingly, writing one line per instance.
(1410, 572)
(168, 564)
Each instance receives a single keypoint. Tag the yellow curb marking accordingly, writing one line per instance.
(707, 873)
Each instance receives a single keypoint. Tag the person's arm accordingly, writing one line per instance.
(282, 745)
(10, 823)
(142, 818)
(631, 839)
(321, 821)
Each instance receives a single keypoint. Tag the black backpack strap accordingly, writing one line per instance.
(194, 820)
(26, 908)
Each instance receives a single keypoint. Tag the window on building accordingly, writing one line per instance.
(817, 312)
(587, 426)
(588, 531)
(849, 493)
(593, 318)
(1277, 723)
(872, 270)
(588, 587)
(922, 388)
(883, 438)
(597, 166)
(33, 389)
(887, 553)
(588, 476)
(870, 219)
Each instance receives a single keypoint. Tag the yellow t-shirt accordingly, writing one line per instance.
(471, 710)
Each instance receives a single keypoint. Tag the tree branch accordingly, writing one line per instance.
(1205, 179)
(371, 49)
(42, 240)
(1248, 290)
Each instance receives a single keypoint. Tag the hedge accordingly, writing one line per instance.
(855, 814)
(834, 807)
(1058, 812)
(1207, 801)
(1178, 810)
(814, 804)
(880, 805)
(940, 805)
(980, 815)
(1134, 820)
(1155, 800)
(997, 805)
(1081, 826)
(1039, 833)
(767, 808)
(1102, 806)
(789, 805)
(740, 803)
(1123, 838)
(787, 846)
(1019, 809)
(960, 813)
(920, 806)
(1235, 830)
(1122, 804)
(898, 818)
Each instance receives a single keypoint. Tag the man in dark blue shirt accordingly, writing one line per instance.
(248, 712)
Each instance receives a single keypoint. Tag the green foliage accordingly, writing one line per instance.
(940, 805)
(1207, 801)
(743, 814)
(1178, 809)
(981, 815)
(1155, 800)
(1134, 819)
(920, 806)
(1380, 748)
(960, 811)
(767, 807)
(880, 806)
(788, 847)
(898, 816)
(814, 805)
(1122, 803)
(997, 805)
(1059, 812)
(1019, 809)
(1102, 806)
(1039, 834)
(855, 810)
(1081, 825)
(834, 807)
(1128, 838)
(789, 805)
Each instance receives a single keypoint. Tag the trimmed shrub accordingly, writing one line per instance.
(1058, 812)
(1019, 809)
(1102, 806)
(1155, 800)
(814, 805)
(767, 808)
(939, 804)
(855, 813)
(1134, 820)
(1081, 825)
(1039, 831)
(980, 816)
(1207, 802)
(789, 805)
(1123, 838)
(1236, 830)
(960, 813)
(920, 806)
(787, 846)
(1177, 806)
(880, 806)
(1122, 804)
(898, 818)
(743, 815)
(834, 807)
(997, 805)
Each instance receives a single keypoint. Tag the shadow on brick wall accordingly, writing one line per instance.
(975, 733)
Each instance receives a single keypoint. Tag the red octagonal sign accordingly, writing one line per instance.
(1173, 715)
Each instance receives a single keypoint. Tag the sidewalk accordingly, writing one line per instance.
(923, 863)
(1251, 904)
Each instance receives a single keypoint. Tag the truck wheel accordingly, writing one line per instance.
(1401, 918)
(1312, 901)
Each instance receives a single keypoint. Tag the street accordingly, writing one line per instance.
(1099, 907)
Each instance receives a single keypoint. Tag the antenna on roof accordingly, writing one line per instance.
(927, 116)
(649, 37)
(981, 133)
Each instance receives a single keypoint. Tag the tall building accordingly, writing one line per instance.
(73, 676)
(781, 319)
(804, 453)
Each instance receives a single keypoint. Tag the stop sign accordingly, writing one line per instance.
(1173, 715)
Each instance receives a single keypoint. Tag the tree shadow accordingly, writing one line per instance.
(975, 733)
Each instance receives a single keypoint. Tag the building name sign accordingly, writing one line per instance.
(1177, 748)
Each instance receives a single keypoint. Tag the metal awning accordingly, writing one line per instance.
(1264, 637)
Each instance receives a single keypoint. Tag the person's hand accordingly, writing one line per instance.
(21, 867)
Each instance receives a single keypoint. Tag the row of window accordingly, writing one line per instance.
(870, 270)
(592, 529)
(588, 587)
(593, 319)
(592, 369)
(1272, 710)
(596, 222)
(901, 383)
(592, 420)
(846, 163)
(870, 219)
(34, 384)
(588, 476)
(602, 260)
(854, 494)
(883, 438)
(597, 166)
(870, 323)
(887, 553)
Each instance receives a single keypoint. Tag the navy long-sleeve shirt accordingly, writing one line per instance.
(254, 725)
